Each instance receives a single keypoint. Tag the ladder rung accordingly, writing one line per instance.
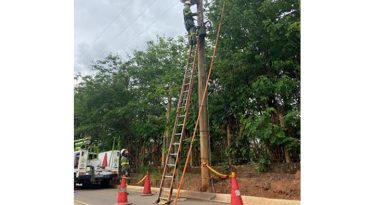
(164, 189)
(171, 165)
(164, 198)
(177, 134)
(176, 143)
(180, 124)
(173, 154)
(168, 176)
(182, 115)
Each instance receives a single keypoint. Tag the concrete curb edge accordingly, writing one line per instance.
(224, 198)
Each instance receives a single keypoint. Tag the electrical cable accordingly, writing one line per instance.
(109, 24)
(138, 35)
(132, 22)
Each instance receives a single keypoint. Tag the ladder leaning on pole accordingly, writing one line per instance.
(178, 131)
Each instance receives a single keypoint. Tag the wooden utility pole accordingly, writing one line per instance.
(203, 120)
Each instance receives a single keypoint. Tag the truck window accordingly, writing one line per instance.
(92, 156)
(76, 160)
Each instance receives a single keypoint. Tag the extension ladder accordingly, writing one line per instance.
(178, 131)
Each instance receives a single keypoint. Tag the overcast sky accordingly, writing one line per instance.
(120, 26)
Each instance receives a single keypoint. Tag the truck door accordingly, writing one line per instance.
(76, 160)
(114, 161)
(82, 163)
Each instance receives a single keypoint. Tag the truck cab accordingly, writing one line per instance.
(88, 169)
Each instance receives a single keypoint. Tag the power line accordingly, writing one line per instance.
(132, 22)
(108, 25)
(139, 15)
(149, 25)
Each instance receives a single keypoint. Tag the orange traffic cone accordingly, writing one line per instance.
(235, 192)
(122, 193)
(147, 189)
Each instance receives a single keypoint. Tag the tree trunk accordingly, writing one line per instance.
(229, 138)
(282, 125)
(187, 135)
(286, 155)
(142, 156)
(191, 156)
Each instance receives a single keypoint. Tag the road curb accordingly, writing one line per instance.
(76, 202)
(224, 198)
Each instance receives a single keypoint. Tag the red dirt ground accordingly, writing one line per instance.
(281, 182)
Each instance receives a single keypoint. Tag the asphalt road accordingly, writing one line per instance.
(108, 197)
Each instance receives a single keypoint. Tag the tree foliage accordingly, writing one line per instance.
(127, 98)
(257, 79)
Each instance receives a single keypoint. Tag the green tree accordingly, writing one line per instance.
(127, 99)
(257, 78)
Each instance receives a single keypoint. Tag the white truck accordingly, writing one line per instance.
(90, 168)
